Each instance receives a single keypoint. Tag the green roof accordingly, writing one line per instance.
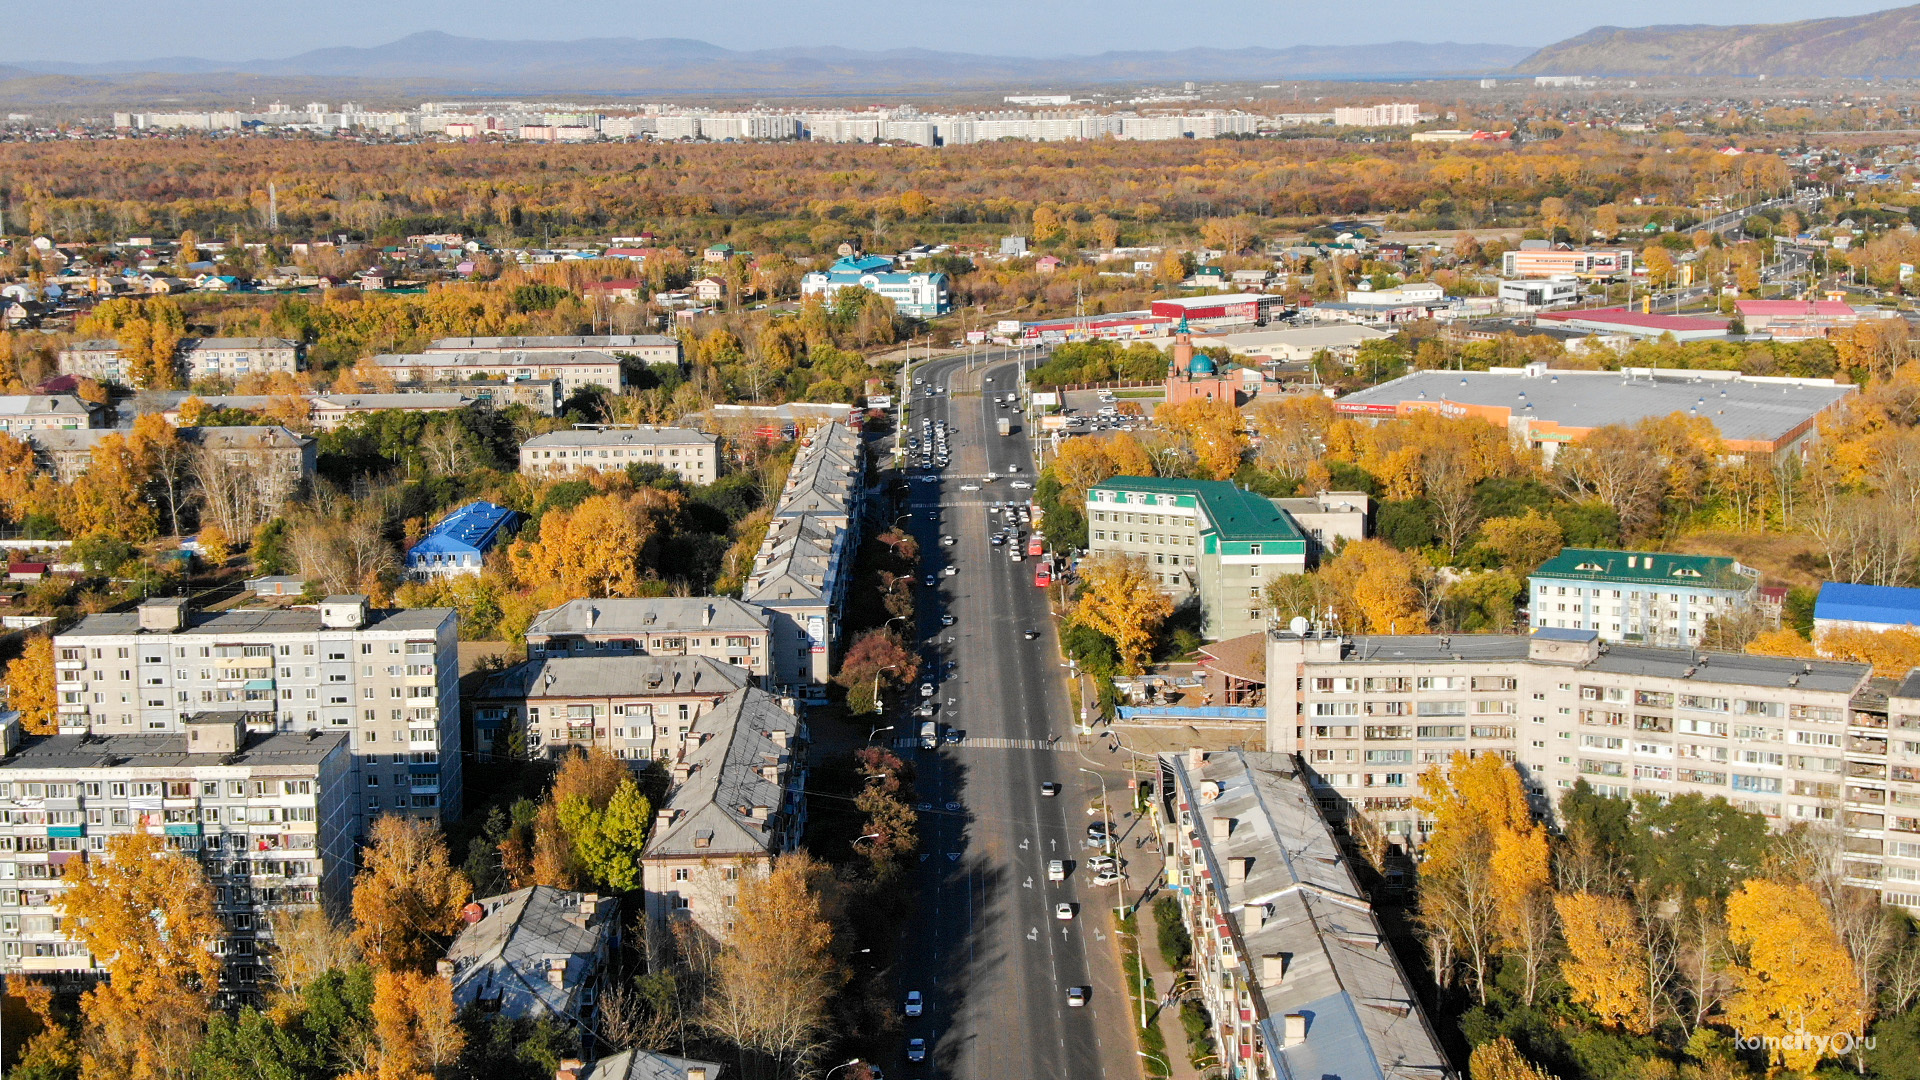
(1232, 513)
(1647, 568)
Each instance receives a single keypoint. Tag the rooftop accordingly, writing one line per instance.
(474, 527)
(44, 405)
(1843, 602)
(1232, 512)
(1741, 407)
(639, 615)
(1291, 902)
(596, 341)
(647, 435)
(600, 676)
(1648, 568)
(1639, 320)
(283, 749)
(729, 802)
(506, 957)
(243, 622)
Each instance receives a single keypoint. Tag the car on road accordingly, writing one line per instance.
(1021, 484)
(916, 1049)
(948, 541)
(998, 540)
(1031, 634)
(954, 736)
(950, 571)
(1049, 789)
(914, 1003)
(926, 689)
(1108, 877)
(1076, 997)
(966, 487)
(1057, 870)
(929, 479)
(946, 620)
(930, 579)
(1011, 469)
(1063, 912)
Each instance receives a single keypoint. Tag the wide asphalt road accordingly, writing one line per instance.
(986, 947)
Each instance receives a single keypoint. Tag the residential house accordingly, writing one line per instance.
(640, 1065)
(727, 630)
(459, 543)
(738, 800)
(1651, 596)
(534, 953)
(635, 706)
(691, 455)
(277, 461)
(234, 358)
(804, 567)
(21, 413)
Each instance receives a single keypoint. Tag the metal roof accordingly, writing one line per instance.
(472, 529)
(1231, 511)
(1661, 568)
(1844, 602)
(505, 958)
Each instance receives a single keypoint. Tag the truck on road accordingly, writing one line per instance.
(929, 734)
(1005, 424)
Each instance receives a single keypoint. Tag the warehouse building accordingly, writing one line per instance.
(1549, 408)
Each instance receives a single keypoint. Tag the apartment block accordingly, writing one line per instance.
(1813, 742)
(1639, 596)
(1292, 963)
(738, 800)
(691, 455)
(1199, 538)
(269, 816)
(94, 358)
(387, 679)
(235, 358)
(1539, 259)
(21, 413)
(574, 370)
(804, 567)
(636, 707)
(727, 630)
(275, 460)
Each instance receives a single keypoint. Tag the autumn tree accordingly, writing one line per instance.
(215, 546)
(599, 548)
(1213, 428)
(30, 686)
(776, 975)
(146, 914)
(1376, 588)
(408, 895)
(1123, 600)
(1606, 959)
(307, 943)
(876, 657)
(1499, 1059)
(1486, 867)
(416, 1025)
(1523, 542)
(1796, 977)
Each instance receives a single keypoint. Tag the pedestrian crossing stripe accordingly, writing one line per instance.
(991, 744)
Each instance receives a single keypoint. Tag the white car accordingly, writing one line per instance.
(926, 689)
(967, 487)
(1063, 912)
(948, 541)
(951, 570)
(1108, 877)
(1076, 997)
(1021, 485)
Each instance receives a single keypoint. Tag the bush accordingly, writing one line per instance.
(1176, 946)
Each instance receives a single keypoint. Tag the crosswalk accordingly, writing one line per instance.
(993, 744)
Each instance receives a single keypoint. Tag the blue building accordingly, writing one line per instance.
(1841, 606)
(919, 295)
(460, 542)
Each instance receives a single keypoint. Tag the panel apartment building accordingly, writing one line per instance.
(1201, 538)
(389, 680)
(1639, 596)
(1812, 742)
(719, 627)
(268, 815)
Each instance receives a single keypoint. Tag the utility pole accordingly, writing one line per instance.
(273, 207)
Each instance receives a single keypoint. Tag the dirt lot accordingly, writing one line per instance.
(1783, 559)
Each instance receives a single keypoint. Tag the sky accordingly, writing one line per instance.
(230, 30)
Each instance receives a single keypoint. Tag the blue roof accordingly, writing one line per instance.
(1868, 604)
(472, 529)
(864, 264)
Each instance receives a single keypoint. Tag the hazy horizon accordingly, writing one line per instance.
(230, 30)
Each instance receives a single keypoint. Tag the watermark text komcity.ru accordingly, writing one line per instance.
(1837, 1045)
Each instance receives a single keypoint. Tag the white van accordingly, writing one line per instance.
(1056, 871)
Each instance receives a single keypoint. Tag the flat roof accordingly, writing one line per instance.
(1641, 320)
(265, 620)
(285, 748)
(1867, 603)
(1742, 407)
(648, 435)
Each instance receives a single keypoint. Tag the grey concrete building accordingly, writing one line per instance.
(691, 455)
(635, 706)
(538, 952)
(727, 630)
(388, 680)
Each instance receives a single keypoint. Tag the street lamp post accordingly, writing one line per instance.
(843, 1065)
(875, 731)
(876, 684)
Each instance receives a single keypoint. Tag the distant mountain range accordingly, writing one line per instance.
(1885, 43)
(631, 65)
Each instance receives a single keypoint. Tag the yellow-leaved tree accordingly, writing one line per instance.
(416, 1028)
(409, 895)
(776, 973)
(1123, 601)
(147, 915)
(30, 686)
(1213, 428)
(1795, 978)
(1375, 588)
(597, 548)
(1499, 1059)
(1606, 959)
(1485, 876)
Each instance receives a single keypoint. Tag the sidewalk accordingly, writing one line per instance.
(1142, 867)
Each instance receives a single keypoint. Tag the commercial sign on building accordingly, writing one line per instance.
(817, 633)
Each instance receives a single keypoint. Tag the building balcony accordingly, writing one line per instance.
(69, 665)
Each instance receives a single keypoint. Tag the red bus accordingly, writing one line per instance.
(1043, 574)
(1036, 544)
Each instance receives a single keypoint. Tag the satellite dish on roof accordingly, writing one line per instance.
(1298, 624)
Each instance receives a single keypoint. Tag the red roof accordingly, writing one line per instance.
(1623, 317)
(1825, 308)
(27, 568)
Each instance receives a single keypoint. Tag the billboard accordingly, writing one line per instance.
(817, 633)
(1046, 400)
(1007, 326)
